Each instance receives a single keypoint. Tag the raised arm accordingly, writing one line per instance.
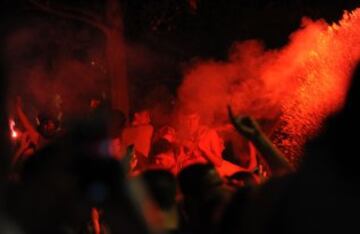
(253, 162)
(249, 128)
(33, 134)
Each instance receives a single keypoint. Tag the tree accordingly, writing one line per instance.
(110, 24)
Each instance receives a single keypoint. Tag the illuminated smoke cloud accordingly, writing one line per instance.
(41, 70)
(297, 86)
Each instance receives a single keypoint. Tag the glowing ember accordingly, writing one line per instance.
(14, 134)
(297, 86)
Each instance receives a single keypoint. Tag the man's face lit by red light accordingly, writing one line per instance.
(191, 122)
(165, 160)
(170, 136)
(142, 118)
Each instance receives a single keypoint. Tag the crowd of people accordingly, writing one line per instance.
(104, 175)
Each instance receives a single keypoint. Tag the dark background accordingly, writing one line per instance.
(177, 34)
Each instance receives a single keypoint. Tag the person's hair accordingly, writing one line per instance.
(161, 185)
(46, 117)
(136, 111)
(162, 132)
(159, 147)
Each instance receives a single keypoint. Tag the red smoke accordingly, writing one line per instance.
(71, 80)
(298, 85)
(43, 68)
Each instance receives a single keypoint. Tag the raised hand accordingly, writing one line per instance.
(245, 125)
(95, 216)
(248, 127)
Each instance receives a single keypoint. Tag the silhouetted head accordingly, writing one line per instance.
(340, 126)
(162, 154)
(161, 185)
(338, 142)
(168, 133)
(197, 179)
(48, 125)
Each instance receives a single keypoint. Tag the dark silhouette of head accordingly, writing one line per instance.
(338, 137)
(197, 179)
(162, 154)
(161, 185)
(48, 125)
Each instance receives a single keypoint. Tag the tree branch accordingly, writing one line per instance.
(72, 13)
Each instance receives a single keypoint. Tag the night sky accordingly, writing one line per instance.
(207, 32)
(170, 33)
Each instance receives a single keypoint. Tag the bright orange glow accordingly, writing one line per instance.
(296, 86)
(14, 134)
